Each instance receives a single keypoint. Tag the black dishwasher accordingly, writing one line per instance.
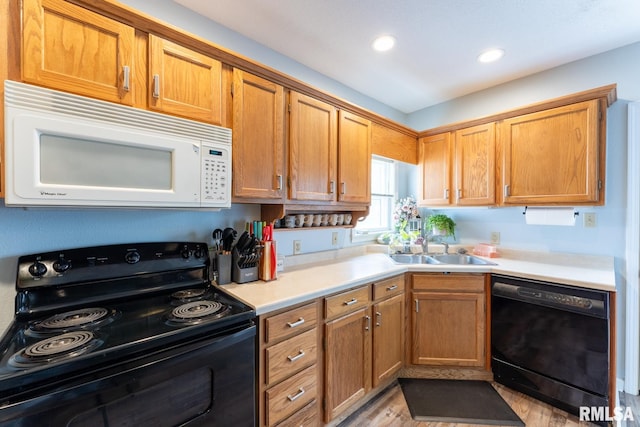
(551, 341)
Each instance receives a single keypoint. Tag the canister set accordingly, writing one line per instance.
(315, 220)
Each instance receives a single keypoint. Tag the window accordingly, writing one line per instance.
(383, 193)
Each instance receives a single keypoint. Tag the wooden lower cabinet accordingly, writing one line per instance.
(348, 361)
(449, 320)
(364, 344)
(388, 338)
(289, 384)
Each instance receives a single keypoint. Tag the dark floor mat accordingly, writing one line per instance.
(457, 401)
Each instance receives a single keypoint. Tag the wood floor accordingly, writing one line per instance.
(389, 409)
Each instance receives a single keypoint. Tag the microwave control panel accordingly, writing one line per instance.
(215, 187)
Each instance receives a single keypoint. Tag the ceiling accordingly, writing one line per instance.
(438, 41)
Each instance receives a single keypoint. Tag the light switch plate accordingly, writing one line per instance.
(589, 219)
(495, 237)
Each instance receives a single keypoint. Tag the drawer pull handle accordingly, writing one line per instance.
(297, 395)
(298, 323)
(353, 301)
(296, 357)
(392, 288)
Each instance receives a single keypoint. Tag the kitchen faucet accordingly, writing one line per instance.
(446, 247)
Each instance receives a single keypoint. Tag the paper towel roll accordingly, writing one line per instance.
(550, 216)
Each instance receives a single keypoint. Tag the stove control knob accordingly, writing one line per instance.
(199, 253)
(37, 269)
(132, 257)
(185, 252)
(61, 265)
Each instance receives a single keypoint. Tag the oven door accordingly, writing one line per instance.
(209, 382)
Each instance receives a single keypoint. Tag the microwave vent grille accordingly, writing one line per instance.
(36, 98)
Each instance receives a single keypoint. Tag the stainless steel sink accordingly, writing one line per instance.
(459, 259)
(439, 259)
(408, 258)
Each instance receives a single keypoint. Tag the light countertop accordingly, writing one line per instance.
(308, 281)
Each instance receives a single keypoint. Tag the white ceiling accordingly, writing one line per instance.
(437, 40)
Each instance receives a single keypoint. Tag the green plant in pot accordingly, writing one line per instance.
(441, 225)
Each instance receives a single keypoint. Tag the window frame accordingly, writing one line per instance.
(369, 235)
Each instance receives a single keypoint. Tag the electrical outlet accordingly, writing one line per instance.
(495, 237)
(297, 247)
(280, 264)
(589, 219)
(334, 238)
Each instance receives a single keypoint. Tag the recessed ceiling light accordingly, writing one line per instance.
(490, 55)
(384, 43)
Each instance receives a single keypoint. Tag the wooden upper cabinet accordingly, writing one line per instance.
(258, 137)
(68, 48)
(475, 175)
(458, 168)
(184, 82)
(354, 158)
(312, 149)
(552, 156)
(435, 156)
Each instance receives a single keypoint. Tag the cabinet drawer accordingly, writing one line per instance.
(291, 355)
(290, 322)
(449, 282)
(291, 395)
(346, 302)
(388, 287)
(305, 417)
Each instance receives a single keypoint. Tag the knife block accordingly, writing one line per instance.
(242, 275)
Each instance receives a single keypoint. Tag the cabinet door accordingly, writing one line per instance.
(552, 156)
(388, 338)
(258, 137)
(475, 165)
(312, 149)
(435, 156)
(69, 48)
(184, 82)
(354, 158)
(448, 329)
(348, 361)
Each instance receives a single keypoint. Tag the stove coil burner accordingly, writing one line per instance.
(187, 295)
(85, 318)
(55, 349)
(198, 311)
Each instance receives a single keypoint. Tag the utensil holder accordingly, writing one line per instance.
(268, 261)
(223, 263)
(242, 275)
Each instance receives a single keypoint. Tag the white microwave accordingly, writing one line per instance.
(68, 150)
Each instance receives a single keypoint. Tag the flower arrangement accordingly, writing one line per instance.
(405, 209)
